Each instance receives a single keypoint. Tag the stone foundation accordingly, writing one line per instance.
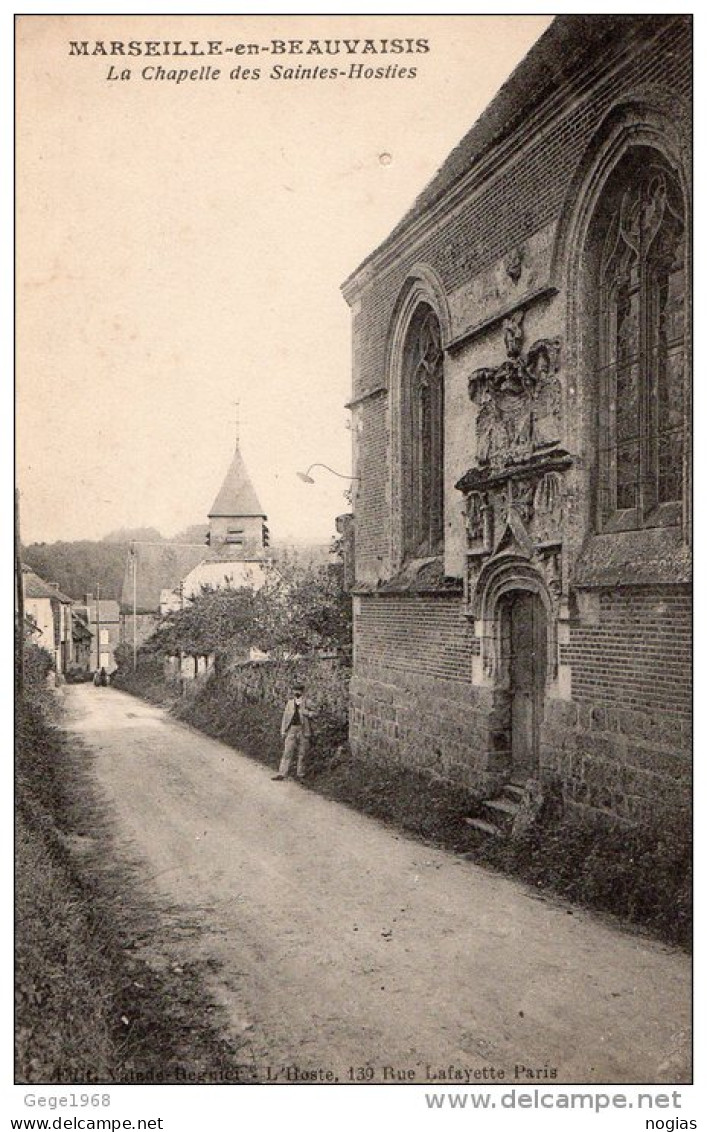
(425, 722)
(625, 763)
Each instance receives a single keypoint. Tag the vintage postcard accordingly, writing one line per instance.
(353, 557)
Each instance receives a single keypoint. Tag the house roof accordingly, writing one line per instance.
(110, 610)
(217, 574)
(35, 586)
(237, 497)
(79, 625)
(561, 54)
(235, 574)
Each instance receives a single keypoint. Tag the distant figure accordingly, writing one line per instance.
(296, 729)
(101, 678)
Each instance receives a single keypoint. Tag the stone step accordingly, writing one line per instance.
(513, 790)
(502, 806)
(486, 827)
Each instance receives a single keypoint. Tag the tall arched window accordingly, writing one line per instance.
(640, 264)
(423, 436)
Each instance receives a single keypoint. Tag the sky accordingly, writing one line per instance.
(181, 249)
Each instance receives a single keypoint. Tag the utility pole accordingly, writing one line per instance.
(98, 626)
(182, 687)
(134, 553)
(20, 598)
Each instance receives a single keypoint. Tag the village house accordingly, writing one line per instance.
(521, 413)
(49, 612)
(103, 620)
(82, 640)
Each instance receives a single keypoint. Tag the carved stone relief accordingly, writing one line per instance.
(476, 517)
(547, 504)
(518, 496)
(514, 264)
(514, 493)
(552, 569)
(519, 401)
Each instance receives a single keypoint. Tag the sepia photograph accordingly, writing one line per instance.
(353, 568)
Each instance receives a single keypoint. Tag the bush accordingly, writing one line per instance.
(147, 681)
(37, 666)
(242, 704)
(76, 675)
(642, 873)
(303, 613)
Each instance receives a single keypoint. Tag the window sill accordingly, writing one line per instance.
(664, 515)
(418, 576)
(653, 556)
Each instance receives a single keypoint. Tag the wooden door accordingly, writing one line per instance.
(527, 669)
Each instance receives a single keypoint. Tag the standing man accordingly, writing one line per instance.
(296, 729)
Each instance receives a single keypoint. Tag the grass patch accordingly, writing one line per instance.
(642, 874)
(147, 682)
(89, 1006)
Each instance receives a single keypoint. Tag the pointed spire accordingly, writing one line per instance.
(237, 497)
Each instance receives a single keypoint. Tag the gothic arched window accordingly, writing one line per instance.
(641, 346)
(423, 436)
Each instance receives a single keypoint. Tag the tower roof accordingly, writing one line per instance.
(237, 498)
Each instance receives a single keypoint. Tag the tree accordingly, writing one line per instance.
(312, 613)
(303, 613)
(217, 620)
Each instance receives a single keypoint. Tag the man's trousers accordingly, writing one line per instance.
(296, 743)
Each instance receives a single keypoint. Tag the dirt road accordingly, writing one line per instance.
(339, 947)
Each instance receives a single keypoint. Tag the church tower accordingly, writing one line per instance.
(237, 522)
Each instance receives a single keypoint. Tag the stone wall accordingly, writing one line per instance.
(372, 502)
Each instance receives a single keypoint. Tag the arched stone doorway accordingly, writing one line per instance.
(522, 677)
(516, 619)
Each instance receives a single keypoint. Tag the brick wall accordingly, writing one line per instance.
(412, 699)
(638, 655)
(420, 634)
(623, 743)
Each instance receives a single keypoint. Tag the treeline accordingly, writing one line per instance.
(78, 567)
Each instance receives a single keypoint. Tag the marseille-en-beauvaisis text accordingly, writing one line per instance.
(194, 48)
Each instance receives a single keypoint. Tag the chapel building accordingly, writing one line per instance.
(521, 423)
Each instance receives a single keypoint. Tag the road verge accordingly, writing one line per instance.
(90, 1007)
